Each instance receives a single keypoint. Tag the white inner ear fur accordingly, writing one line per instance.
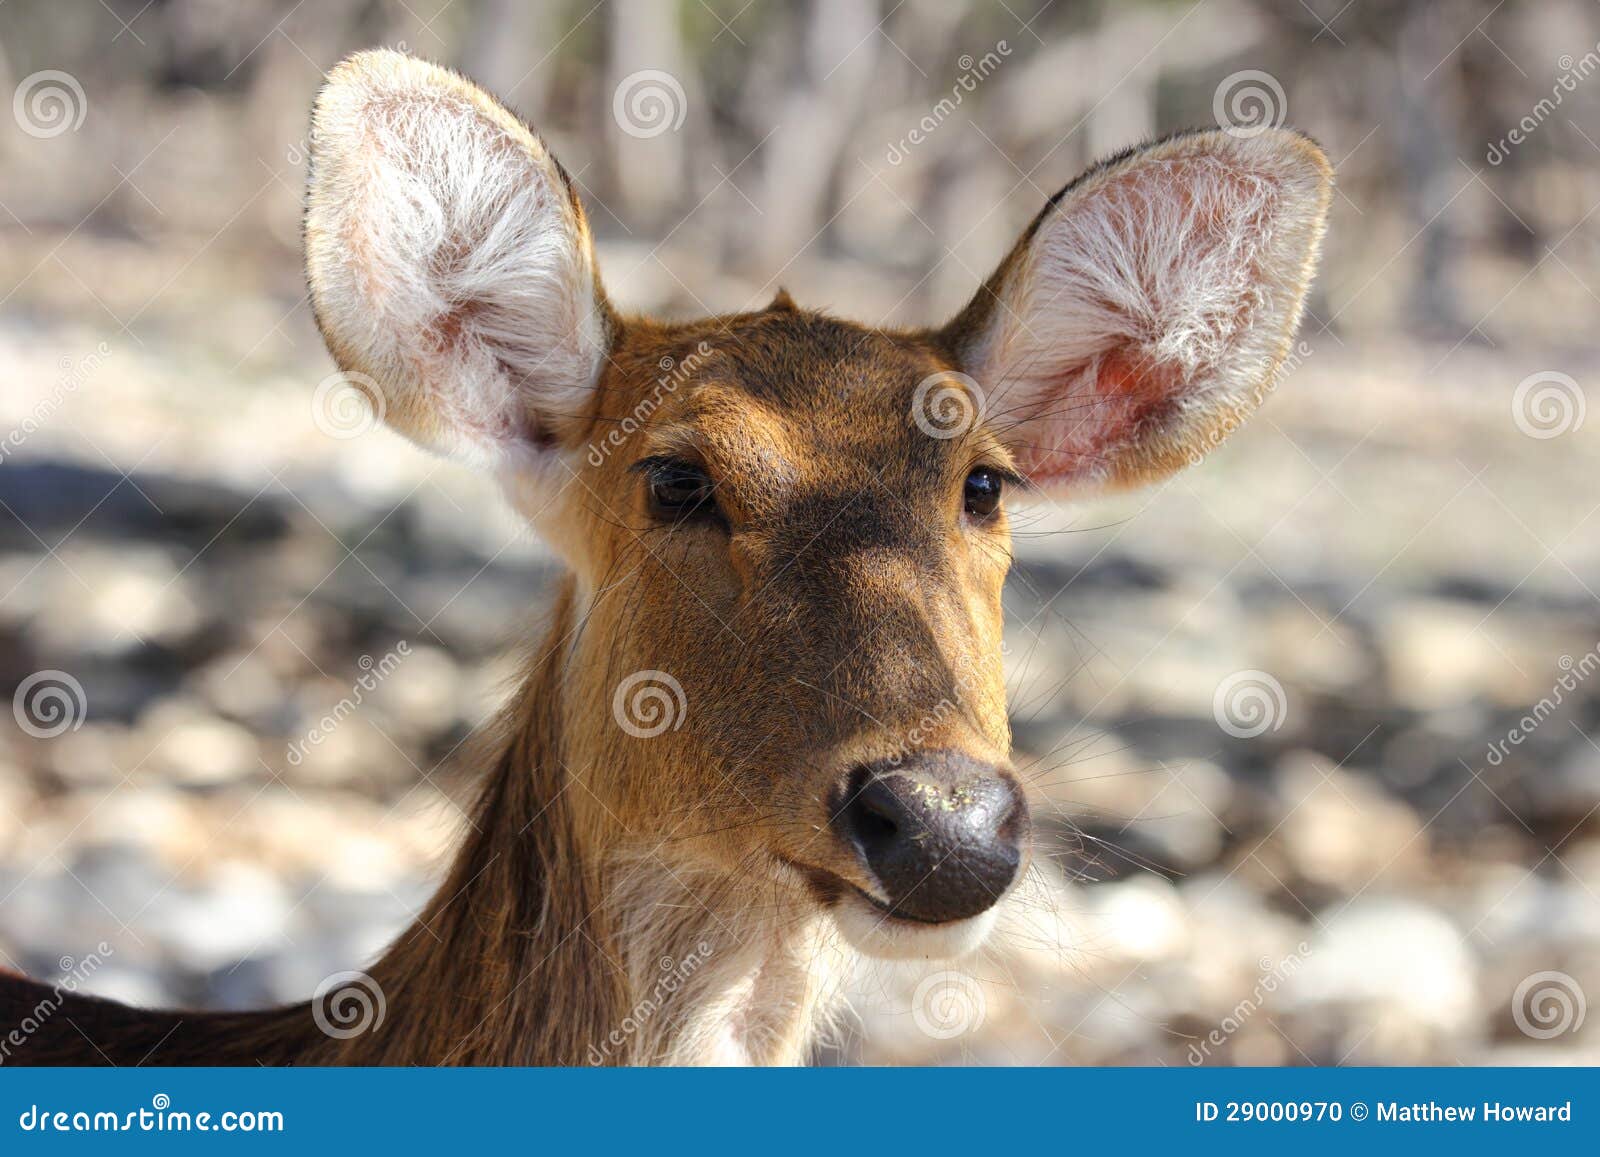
(1152, 304)
(448, 262)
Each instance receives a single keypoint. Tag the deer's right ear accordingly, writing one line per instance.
(450, 265)
(1145, 312)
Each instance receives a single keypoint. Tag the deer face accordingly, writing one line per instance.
(814, 581)
(789, 533)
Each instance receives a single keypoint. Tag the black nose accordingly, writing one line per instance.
(941, 832)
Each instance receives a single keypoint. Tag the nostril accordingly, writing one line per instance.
(871, 816)
(875, 824)
(941, 835)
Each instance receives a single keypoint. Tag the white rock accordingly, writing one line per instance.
(1394, 957)
(138, 987)
(195, 747)
(241, 683)
(421, 691)
(133, 594)
(1140, 918)
(1442, 652)
(241, 910)
(1342, 830)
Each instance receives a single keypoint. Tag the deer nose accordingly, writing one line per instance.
(942, 833)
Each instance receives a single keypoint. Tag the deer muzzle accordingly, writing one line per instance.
(941, 833)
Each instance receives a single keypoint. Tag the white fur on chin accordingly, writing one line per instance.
(871, 933)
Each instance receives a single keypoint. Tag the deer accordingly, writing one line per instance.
(765, 730)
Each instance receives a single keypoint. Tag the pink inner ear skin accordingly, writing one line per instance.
(1135, 390)
(1130, 395)
(1133, 325)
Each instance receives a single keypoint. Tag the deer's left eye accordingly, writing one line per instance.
(678, 490)
(981, 496)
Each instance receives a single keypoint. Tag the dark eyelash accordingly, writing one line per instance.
(1008, 476)
(659, 461)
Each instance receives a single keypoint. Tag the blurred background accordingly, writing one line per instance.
(1312, 726)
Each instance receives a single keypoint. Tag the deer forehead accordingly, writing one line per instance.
(785, 402)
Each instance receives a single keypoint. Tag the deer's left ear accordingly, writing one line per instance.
(1145, 310)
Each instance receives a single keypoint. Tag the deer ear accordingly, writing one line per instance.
(1145, 311)
(450, 265)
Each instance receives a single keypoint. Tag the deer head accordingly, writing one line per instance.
(788, 533)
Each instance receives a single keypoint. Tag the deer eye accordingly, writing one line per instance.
(677, 490)
(981, 496)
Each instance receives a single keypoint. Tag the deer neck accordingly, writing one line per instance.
(552, 944)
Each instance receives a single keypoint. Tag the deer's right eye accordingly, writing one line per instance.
(678, 490)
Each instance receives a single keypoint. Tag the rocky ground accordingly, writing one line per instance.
(1266, 710)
